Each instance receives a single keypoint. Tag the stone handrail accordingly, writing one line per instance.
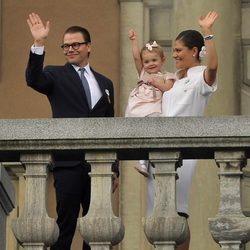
(165, 141)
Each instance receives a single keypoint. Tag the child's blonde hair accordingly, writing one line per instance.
(153, 46)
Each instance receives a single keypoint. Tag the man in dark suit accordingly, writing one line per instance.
(69, 98)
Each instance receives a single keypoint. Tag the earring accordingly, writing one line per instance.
(193, 55)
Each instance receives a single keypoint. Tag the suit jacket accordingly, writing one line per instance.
(65, 92)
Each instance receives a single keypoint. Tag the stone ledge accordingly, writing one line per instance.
(192, 135)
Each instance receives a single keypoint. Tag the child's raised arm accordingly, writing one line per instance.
(136, 51)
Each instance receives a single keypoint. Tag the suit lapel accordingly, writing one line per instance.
(75, 81)
(73, 76)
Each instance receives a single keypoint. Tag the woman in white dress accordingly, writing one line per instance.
(189, 95)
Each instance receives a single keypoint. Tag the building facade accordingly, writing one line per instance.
(109, 23)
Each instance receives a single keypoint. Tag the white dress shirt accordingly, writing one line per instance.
(94, 88)
(189, 95)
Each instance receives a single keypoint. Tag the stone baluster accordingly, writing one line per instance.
(165, 228)
(100, 227)
(34, 229)
(230, 228)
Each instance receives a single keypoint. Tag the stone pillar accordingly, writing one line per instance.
(227, 31)
(165, 228)
(100, 227)
(230, 228)
(1, 35)
(34, 229)
(245, 96)
(7, 203)
(133, 186)
(245, 35)
(131, 12)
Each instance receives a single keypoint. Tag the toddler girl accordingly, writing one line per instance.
(146, 100)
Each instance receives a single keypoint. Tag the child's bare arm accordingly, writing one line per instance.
(167, 85)
(136, 50)
(162, 84)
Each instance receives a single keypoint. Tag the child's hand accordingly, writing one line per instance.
(152, 81)
(156, 80)
(132, 35)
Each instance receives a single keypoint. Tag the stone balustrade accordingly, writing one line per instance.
(165, 141)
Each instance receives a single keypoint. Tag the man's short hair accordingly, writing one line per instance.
(79, 29)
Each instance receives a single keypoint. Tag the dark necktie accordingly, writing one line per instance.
(86, 87)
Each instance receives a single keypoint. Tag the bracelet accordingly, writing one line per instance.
(208, 37)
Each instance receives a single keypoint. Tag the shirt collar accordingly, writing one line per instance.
(87, 68)
(190, 72)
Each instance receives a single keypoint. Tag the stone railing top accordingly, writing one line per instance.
(122, 134)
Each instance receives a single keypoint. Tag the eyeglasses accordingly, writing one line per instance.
(75, 46)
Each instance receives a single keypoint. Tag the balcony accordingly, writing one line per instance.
(165, 141)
